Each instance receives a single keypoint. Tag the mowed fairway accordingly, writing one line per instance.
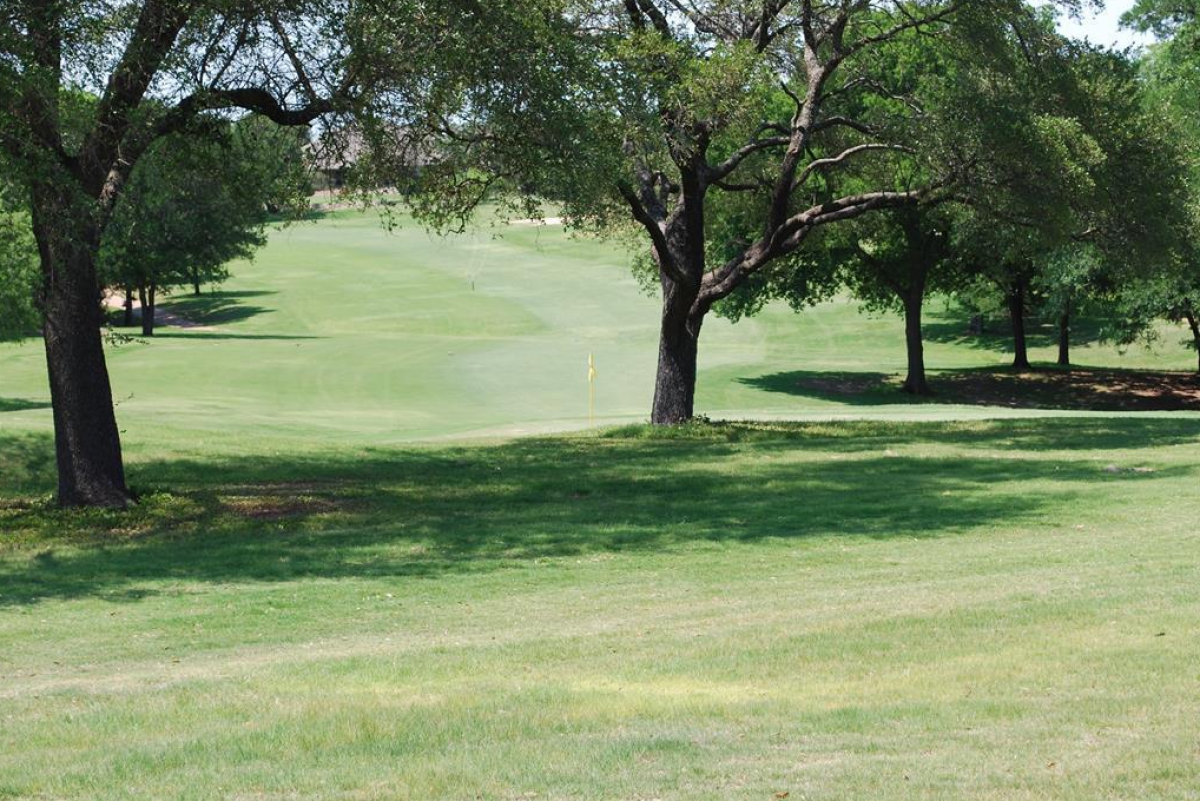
(925, 603)
(340, 333)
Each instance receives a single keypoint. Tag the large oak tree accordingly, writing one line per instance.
(730, 131)
(715, 126)
(158, 66)
(162, 68)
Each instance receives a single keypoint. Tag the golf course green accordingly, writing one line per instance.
(380, 554)
(340, 333)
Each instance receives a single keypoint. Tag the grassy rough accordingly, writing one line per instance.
(848, 610)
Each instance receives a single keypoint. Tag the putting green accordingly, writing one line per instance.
(341, 332)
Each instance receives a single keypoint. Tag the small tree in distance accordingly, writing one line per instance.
(893, 261)
(193, 205)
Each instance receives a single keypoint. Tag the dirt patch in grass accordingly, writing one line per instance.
(1082, 389)
(24, 520)
(1101, 390)
(267, 507)
(282, 500)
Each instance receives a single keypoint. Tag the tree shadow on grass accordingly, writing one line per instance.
(208, 309)
(217, 308)
(1023, 435)
(26, 467)
(425, 512)
(165, 333)
(21, 405)
(1077, 388)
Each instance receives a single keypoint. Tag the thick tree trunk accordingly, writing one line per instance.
(146, 298)
(86, 439)
(1194, 324)
(915, 382)
(1016, 309)
(1064, 339)
(679, 336)
(129, 306)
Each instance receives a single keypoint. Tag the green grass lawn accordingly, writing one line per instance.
(340, 333)
(922, 603)
(851, 610)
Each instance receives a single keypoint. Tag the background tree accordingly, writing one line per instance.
(1070, 281)
(160, 68)
(977, 111)
(18, 267)
(1170, 73)
(192, 205)
(1094, 180)
(1171, 20)
(893, 261)
(727, 130)
(936, 93)
(1171, 294)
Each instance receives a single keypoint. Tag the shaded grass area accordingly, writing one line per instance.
(1074, 388)
(21, 405)
(210, 308)
(219, 307)
(431, 512)
(989, 609)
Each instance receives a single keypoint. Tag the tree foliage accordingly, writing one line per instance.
(1170, 72)
(731, 133)
(194, 204)
(160, 68)
(19, 276)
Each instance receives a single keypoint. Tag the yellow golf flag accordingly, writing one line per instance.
(591, 391)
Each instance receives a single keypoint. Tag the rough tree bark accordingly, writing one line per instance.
(678, 347)
(914, 382)
(86, 438)
(1016, 310)
(1194, 325)
(679, 253)
(1064, 339)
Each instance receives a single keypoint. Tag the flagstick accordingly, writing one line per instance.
(591, 392)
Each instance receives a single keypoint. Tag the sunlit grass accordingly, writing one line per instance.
(854, 610)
